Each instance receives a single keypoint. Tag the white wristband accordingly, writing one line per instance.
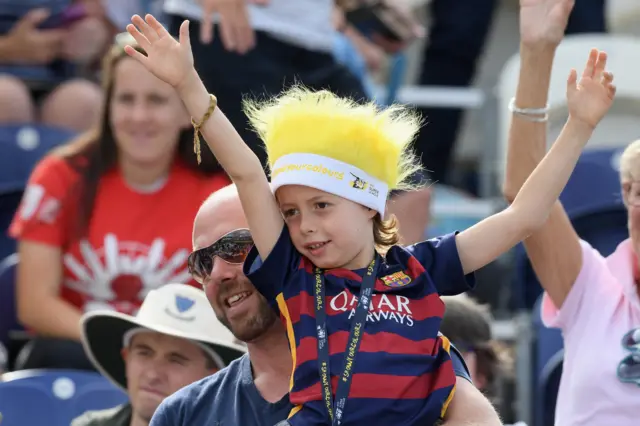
(533, 118)
(536, 115)
(527, 111)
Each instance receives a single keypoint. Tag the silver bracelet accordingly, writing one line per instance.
(527, 111)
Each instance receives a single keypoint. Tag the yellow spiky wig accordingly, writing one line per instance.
(356, 151)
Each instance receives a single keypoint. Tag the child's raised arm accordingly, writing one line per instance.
(172, 62)
(588, 102)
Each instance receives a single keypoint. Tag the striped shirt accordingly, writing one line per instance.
(403, 373)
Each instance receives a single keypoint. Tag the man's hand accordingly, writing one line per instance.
(543, 22)
(403, 12)
(30, 45)
(236, 32)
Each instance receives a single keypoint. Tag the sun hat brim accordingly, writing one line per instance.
(103, 334)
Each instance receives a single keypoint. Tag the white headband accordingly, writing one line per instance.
(329, 175)
(126, 341)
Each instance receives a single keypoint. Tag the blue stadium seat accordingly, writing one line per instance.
(8, 317)
(21, 147)
(548, 386)
(40, 77)
(593, 201)
(54, 397)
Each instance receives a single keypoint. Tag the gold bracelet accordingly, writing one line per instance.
(213, 102)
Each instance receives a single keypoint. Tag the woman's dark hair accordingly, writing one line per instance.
(95, 152)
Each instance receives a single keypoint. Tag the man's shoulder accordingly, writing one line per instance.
(228, 397)
(206, 390)
(103, 417)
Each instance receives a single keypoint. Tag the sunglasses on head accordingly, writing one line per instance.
(629, 367)
(232, 247)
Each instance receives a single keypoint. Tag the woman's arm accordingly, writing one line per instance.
(172, 61)
(588, 102)
(40, 308)
(554, 250)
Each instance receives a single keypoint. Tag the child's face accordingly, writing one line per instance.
(331, 231)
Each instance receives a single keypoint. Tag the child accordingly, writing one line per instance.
(361, 313)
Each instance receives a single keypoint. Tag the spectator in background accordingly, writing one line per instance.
(253, 390)
(468, 325)
(593, 300)
(458, 32)
(119, 12)
(457, 36)
(39, 56)
(173, 341)
(356, 52)
(264, 46)
(588, 16)
(106, 218)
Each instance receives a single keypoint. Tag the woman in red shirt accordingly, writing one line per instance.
(107, 217)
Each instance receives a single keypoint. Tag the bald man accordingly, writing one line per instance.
(253, 390)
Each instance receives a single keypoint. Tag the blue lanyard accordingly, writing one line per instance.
(355, 337)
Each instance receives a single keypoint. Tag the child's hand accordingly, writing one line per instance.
(590, 98)
(167, 59)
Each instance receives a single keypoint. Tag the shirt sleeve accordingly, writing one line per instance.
(459, 366)
(43, 210)
(439, 257)
(165, 414)
(270, 275)
(585, 293)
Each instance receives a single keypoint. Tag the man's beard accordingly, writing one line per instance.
(255, 325)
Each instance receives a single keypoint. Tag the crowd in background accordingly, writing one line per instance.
(106, 219)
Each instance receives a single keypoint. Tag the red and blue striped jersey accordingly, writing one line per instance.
(403, 373)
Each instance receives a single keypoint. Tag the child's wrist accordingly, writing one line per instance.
(189, 85)
(580, 127)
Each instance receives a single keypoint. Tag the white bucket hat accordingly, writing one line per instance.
(177, 310)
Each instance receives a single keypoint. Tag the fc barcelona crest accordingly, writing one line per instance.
(398, 279)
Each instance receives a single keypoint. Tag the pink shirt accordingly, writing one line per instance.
(601, 307)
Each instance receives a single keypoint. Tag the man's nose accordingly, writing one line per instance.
(154, 370)
(222, 270)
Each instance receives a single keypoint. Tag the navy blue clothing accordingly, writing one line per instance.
(402, 374)
(230, 398)
(11, 11)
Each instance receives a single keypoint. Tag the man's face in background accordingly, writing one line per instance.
(235, 301)
(158, 365)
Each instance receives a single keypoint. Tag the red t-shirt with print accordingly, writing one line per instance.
(136, 241)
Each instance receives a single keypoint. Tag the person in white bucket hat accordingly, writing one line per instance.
(174, 340)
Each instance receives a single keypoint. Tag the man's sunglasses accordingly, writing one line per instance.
(232, 247)
(629, 367)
